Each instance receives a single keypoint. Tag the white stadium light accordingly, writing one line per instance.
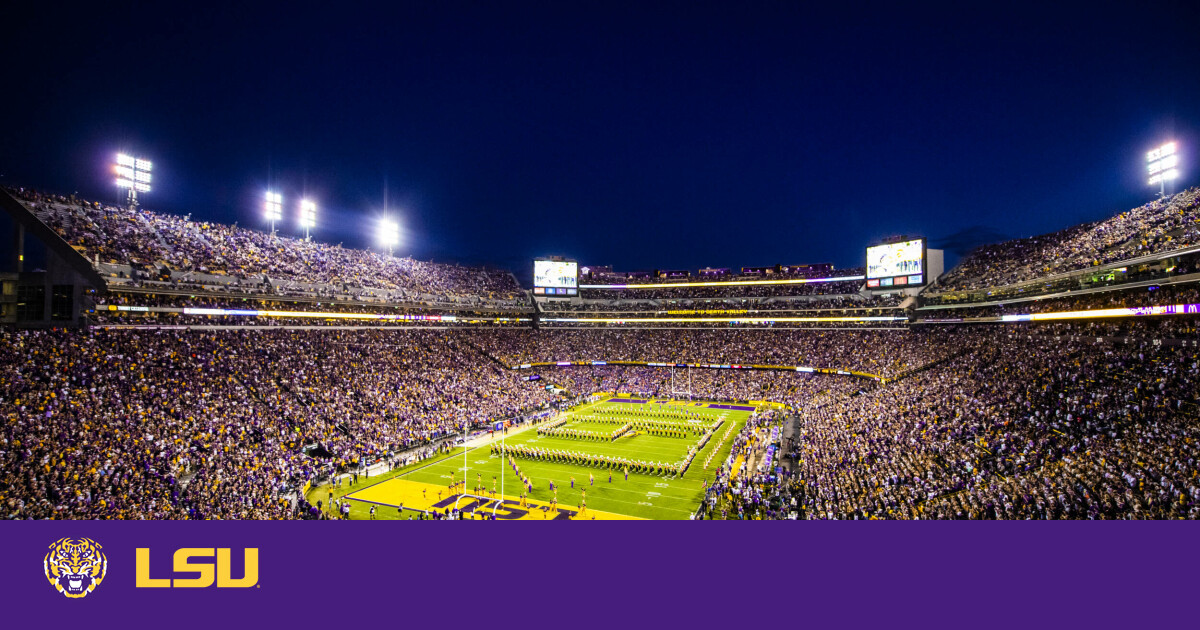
(308, 215)
(1166, 149)
(273, 208)
(1161, 163)
(1165, 176)
(388, 233)
(1170, 161)
(134, 174)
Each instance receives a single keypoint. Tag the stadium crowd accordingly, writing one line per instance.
(101, 311)
(884, 353)
(119, 235)
(782, 386)
(1159, 226)
(823, 303)
(774, 273)
(230, 424)
(666, 291)
(185, 424)
(1183, 293)
(1086, 431)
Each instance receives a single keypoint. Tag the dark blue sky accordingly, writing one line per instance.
(669, 135)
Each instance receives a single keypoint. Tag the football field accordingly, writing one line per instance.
(646, 431)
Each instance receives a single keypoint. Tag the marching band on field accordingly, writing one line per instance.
(650, 421)
(557, 430)
(509, 452)
(594, 460)
(666, 419)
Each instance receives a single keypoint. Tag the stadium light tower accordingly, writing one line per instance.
(308, 215)
(134, 174)
(1162, 163)
(388, 234)
(273, 209)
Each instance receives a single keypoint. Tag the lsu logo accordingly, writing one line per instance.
(207, 572)
(75, 566)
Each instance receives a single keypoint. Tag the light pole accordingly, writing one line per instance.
(273, 209)
(134, 174)
(308, 216)
(1161, 163)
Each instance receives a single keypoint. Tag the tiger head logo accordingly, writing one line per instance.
(75, 566)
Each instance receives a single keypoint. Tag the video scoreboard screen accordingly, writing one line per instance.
(896, 265)
(555, 277)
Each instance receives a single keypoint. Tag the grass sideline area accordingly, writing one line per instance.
(642, 496)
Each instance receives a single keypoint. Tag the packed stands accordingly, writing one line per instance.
(1146, 296)
(194, 424)
(134, 246)
(1088, 431)
(775, 273)
(213, 416)
(187, 424)
(838, 303)
(1163, 225)
(129, 308)
(844, 287)
(882, 353)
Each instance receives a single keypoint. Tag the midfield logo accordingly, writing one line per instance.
(208, 572)
(75, 566)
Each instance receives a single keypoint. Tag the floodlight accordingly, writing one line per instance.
(273, 208)
(308, 215)
(1164, 150)
(1161, 163)
(1168, 162)
(134, 174)
(1165, 176)
(388, 233)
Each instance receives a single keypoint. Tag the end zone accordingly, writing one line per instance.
(427, 497)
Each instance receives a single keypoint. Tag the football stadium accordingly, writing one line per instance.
(166, 367)
(698, 263)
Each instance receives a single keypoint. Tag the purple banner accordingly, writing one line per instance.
(417, 574)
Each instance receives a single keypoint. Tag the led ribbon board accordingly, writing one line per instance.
(731, 283)
(719, 366)
(1140, 311)
(317, 314)
(309, 314)
(748, 320)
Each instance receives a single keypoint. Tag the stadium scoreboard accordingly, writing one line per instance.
(901, 264)
(555, 277)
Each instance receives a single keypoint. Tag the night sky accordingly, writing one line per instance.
(651, 135)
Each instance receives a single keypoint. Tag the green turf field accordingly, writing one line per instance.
(641, 496)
